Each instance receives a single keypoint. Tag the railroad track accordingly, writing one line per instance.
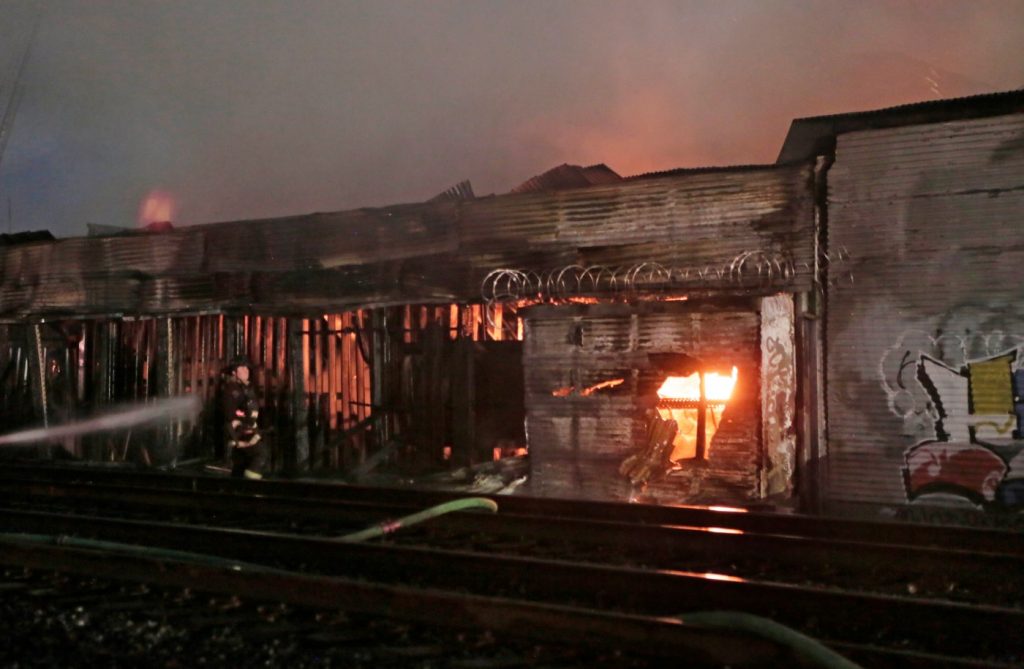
(955, 574)
(893, 533)
(53, 619)
(902, 631)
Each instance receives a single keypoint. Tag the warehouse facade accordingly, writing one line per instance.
(858, 293)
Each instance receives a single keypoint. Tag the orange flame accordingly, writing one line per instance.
(586, 392)
(565, 391)
(717, 388)
(156, 207)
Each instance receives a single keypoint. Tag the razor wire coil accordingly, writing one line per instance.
(749, 270)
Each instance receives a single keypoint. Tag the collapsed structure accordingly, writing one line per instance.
(841, 327)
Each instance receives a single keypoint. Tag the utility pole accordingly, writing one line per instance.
(17, 89)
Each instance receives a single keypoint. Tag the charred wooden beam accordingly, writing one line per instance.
(298, 456)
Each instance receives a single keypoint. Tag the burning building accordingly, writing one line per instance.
(699, 335)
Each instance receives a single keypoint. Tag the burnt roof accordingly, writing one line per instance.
(101, 230)
(460, 191)
(25, 237)
(435, 252)
(816, 135)
(567, 176)
(711, 169)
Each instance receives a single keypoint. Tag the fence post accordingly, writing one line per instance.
(296, 456)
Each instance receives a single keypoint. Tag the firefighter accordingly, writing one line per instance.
(241, 422)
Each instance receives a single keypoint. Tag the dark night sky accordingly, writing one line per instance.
(255, 109)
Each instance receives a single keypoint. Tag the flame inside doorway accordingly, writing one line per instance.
(696, 403)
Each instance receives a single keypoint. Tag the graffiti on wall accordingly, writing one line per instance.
(778, 395)
(961, 399)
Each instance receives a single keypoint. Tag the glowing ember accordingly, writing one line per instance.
(601, 386)
(717, 388)
(565, 391)
(156, 207)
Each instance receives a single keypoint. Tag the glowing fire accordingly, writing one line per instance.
(565, 391)
(156, 207)
(586, 392)
(717, 390)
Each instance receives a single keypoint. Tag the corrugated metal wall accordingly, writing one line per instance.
(577, 442)
(436, 251)
(932, 217)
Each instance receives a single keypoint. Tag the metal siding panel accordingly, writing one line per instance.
(695, 220)
(690, 221)
(324, 241)
(931, 217)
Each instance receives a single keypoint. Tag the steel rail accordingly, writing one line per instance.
(944, 627)
(644, 635)
(891, 533)
(662, 545)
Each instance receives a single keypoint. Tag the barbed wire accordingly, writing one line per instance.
(750, 270)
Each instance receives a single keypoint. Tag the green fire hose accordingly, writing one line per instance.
(391, 526)
(807, 648)
(135, 550)
(215, 561)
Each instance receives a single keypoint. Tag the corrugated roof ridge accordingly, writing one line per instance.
(815, 135)
(918, 106)
(707, 169)
(567, 176)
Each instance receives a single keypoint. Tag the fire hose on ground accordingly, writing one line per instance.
(379, 530)
(807, 648)
(391, 526)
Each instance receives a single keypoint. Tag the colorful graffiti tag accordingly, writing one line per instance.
(966, 415)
